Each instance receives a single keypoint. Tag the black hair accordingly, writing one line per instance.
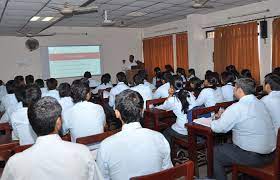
(1, 83)
(40, 83)
(217, 76)
(178, 83)
(273, 80)
(248, 85)
(51, 83)
(246, 73)
(87, 75)
(29, 79)
(192, 71)
(121, 77)
(169, 68)
(227, 77)
(157, 69)
(168, 77)
(143, 73)
(43, 115)
(19, 82)
(196, 82)
(10, 87)
(181, 71)
(207, 73)
(138, 79)
(212, 80)
(231, 68)
(276, 71)
(182, 95)
(64, 90)
(105, 78)
(28, 95)
(79, 91)
(130, 105)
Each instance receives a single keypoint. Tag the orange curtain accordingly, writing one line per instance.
(237, 45)
(276, 43)
(182, 50)
(158, 52)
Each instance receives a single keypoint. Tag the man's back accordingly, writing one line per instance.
(52, 158)
(84, 119)
(145, 91)
(132, 152)
(121, 86)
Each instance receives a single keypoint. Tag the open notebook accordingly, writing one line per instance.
(203, 121)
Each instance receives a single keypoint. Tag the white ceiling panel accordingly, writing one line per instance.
(17, 14)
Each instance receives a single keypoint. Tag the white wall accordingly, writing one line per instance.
(201, 49)
(117, 44)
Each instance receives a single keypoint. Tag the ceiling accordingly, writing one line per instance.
(15, 14)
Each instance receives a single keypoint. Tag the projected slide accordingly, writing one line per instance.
(73, 61)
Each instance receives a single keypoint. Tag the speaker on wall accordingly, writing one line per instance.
(263, 28)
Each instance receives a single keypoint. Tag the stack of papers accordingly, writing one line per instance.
(203, 121)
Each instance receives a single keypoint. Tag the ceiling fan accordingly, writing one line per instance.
(199, 4)
(69, 10)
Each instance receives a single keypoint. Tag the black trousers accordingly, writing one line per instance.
(229, 154)
(169, 133)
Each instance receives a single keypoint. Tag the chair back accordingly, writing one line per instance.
(201, 111)
(185, 170)
(100, 95)
(96, 138)
(154, 102)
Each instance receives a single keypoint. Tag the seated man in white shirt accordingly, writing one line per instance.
(22, 130)
(9, 102)
(40, 83)
(105, 83)
(66, 100)
(253, 136)
(167, 82)
(121, 86)
(134, 151)
(144, 90)
(50, 157)
(272, 100)
(52, 92)
(92, 82)
(144, 74)
(84, 118)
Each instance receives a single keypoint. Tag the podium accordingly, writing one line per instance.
(130, 74)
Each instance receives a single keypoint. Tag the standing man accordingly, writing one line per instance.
(131, 62)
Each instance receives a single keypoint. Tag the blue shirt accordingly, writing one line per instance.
(251, 125)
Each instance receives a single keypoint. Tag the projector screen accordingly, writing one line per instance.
(73, 61)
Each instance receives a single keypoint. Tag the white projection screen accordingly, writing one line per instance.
(73, 61)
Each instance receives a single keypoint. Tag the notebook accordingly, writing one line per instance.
(203, 121)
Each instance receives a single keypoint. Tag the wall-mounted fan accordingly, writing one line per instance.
(69, 10)
(199, 4)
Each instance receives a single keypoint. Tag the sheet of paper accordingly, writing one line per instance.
(203, 121)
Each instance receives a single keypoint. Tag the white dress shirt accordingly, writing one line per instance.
(44, 90)
(272, 103)
(251, 125)
(207, 97)
(101, 86)
(3, 92)
(134, 151)
(121, 86)
(162, 91)
(191, 76)
(52, 93)
(175, 105)
(93, 82)
(22, 129)
(227, 91)
(149, 84)
(52, 158)
(145, 91)
(10, 104)
(219, 95)
(66, 103)
(83, 119)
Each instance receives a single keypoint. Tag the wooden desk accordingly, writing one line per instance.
(152, 119)
(6, 146)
